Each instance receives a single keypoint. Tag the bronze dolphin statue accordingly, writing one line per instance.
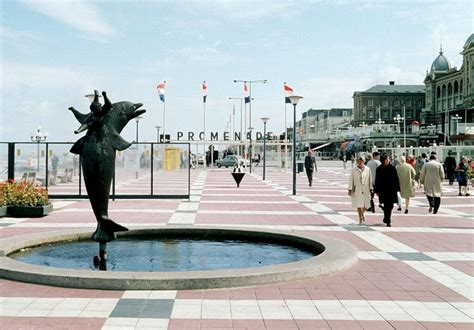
(97, 149)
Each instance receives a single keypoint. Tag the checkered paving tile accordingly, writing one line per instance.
(417, 274)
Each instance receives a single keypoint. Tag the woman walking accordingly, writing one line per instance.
(406, 177)
(360, 188)
(462, 175)
(386, 187)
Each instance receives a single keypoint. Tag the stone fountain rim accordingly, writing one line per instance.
(338, 255)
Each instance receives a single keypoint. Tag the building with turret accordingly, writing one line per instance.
(449, 99)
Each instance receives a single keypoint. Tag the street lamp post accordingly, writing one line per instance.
(294, 100)
(264, 119)
(241, 106)
(137, 119)
(264, 81)
(250, 149)
(157, 134)
(38, 137)
(398, 119)
(457, 118)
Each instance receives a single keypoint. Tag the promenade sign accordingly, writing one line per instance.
(215, 136)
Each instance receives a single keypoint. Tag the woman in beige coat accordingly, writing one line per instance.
(406, 176)
(360, 188)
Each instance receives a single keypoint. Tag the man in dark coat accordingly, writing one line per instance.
(450, 164)
(310, 166)
(386, 187)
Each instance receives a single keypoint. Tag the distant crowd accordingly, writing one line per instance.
(392, 180)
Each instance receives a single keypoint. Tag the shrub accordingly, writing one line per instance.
(22, 194)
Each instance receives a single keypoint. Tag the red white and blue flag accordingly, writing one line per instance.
(161, 90)
(246, 93)
(288, 92)
(204, 92)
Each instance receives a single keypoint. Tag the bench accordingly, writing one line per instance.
(66, 177)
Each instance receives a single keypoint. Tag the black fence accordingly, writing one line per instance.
(145, 170)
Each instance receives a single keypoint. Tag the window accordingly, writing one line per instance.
(384, 114)
(371, 114)
(370, 103)
(408, 103)
(409, 114)
(385, 103)
(396, 103)
(344, 113)
(418, 104)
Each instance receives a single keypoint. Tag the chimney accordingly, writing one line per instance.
(391, 82)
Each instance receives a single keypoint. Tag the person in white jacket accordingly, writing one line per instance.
(431, 177)
(360, 188)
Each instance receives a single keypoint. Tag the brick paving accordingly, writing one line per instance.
(417, 274)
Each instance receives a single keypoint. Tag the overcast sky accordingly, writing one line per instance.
(55, 52)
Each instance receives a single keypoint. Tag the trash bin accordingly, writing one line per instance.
(300, 167)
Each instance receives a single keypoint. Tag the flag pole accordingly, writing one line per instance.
(204, 138)
(286, 140)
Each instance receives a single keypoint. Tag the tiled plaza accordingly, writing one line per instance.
(418, 274)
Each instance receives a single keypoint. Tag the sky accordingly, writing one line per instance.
(55, 52)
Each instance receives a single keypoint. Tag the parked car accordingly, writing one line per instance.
(201, 159)
(232, 160)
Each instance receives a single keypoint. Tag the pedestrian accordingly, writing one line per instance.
(462, 176)
(344, 161)
(418, 166)
(406, 177)
(54, 170)
(432, 176)
(310, 166)
(373, 164)
(450, 164)
(386, 187)
(352, 160)
(411, 161)
(360, 188)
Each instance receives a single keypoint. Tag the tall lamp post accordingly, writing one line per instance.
(263, 81)
(457, 118)
(137, 119)
(38, 137)
(157, 133)
(294, 100)
(264, 119)
(241, 107)
(398, 119)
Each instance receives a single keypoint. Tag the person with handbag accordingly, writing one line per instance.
(386, 187)
(462, 176)
(406, 177)
(360, 188)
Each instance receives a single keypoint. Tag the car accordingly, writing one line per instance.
(201, 159)
(232, 160)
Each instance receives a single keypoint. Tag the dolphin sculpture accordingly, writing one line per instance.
(97, 149)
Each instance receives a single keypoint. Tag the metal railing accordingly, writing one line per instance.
(145, 170)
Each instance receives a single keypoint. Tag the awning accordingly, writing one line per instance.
(321, 146)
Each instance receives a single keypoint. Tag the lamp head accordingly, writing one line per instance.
(265, 119)
(294, 99)
(137, 119)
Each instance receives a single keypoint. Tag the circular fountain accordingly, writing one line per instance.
(184, 257)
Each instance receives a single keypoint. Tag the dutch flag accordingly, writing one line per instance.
(246, 93)
(161, 90)
(288, 92)
(204, 91)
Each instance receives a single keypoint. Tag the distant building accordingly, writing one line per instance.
(385, 102)
(450, 96)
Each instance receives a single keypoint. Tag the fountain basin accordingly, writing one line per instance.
(335, 256)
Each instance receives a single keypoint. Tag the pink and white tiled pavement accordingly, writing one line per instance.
(417, 274)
